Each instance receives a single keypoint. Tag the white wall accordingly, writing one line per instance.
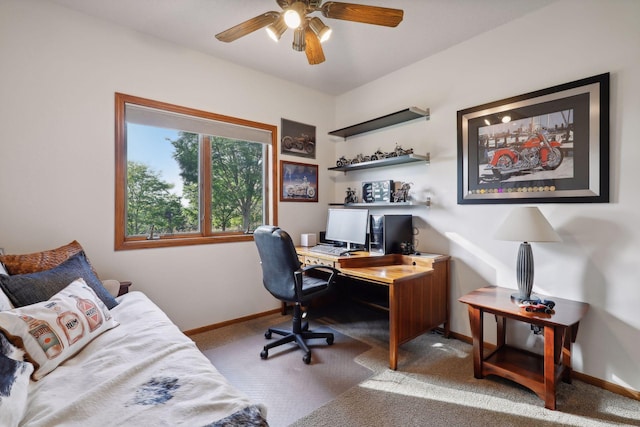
(597, 262)
(60, 70)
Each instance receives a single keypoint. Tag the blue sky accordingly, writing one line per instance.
(149, 145)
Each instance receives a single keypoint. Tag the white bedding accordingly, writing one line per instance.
(144, 372)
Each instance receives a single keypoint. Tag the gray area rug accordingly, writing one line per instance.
(288, 387)
(433, 386)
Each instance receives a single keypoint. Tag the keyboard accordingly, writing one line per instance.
(328, 250)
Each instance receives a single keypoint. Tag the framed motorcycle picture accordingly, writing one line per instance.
(297, 139)
(548, 146)
(298, 182)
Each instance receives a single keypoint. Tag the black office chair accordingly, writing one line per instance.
(284, 278)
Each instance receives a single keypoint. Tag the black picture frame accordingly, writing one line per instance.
(298, 139)
(547, 146)
(298, 182)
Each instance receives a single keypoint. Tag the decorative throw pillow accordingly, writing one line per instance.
(53, 331)
(14, 383)
(40, 261)
(26, 289)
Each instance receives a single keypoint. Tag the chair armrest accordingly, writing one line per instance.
(326, 268)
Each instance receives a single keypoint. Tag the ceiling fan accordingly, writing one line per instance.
(310, 32)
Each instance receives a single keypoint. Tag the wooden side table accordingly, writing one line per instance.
(536, 372)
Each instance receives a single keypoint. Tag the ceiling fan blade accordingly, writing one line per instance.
(248, 27)
(313, 48)
(362, 13)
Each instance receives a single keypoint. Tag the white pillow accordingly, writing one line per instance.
(5, 303)
(53, 331)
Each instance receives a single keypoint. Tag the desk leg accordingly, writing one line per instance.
(476, 321)
(549, 367)
(394, 327)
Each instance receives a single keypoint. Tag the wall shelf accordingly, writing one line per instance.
(407, 158)
(384, 204)
(402, 116)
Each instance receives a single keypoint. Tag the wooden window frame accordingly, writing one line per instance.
(205, 236)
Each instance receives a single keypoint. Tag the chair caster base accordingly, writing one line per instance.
(307, 358)
(264, 354)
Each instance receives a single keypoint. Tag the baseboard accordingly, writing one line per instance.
(208, 328)
(614, 388)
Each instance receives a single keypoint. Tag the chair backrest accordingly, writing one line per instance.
(279, 261)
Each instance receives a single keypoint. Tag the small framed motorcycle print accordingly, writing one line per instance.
(548, 146)
(298, 182)
(298, 139)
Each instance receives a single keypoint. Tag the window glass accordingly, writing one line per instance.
(185, 176)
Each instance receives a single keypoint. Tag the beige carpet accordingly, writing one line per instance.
(332, 371)
(433, 386)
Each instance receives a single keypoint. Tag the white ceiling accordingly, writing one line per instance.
(356, 53)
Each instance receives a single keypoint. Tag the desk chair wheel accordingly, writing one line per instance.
(267, 335)
(307, 358)
(264, 354)
(330, 340)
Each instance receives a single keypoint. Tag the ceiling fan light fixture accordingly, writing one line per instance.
(320, 29)
(299, 42)
(293, 15)
(277, 29)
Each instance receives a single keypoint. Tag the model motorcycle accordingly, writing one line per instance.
(343, 161)
(303, 143)
(399, 151)
(535, 152)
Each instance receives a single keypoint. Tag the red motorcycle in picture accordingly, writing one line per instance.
(535, 152)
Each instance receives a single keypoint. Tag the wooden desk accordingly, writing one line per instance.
(536, 372)
(418, 289)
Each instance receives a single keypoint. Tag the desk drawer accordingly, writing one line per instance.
(312, 260)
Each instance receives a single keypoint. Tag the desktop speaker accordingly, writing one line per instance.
(389, 232)
(308, 239)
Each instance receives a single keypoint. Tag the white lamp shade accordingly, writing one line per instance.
(526, 224)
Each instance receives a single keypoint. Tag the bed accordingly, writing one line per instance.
(138, 369)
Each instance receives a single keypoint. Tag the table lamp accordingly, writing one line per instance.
(526, 224)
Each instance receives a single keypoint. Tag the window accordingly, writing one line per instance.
(185, 176)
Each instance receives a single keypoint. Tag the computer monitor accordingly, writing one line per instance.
(348, 226)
